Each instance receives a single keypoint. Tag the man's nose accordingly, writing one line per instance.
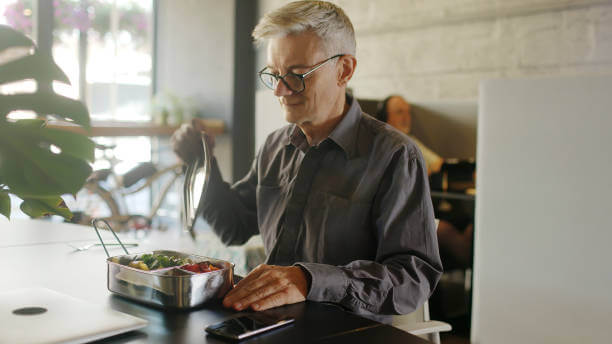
(282, 89)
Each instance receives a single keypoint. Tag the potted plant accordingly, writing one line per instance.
(38, 164)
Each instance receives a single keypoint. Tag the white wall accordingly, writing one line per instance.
(195, 56)
(268, 115)
(432, 50)
(542, 270)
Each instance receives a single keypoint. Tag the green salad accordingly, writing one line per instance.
(151, 261)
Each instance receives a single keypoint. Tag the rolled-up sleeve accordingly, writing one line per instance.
(407, 265)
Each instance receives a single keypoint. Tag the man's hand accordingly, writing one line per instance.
(268, 286)
(187, 140)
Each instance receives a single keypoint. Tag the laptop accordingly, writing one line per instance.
(39, 315)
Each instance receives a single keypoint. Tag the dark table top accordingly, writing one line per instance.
(55, 265)
(314, 322)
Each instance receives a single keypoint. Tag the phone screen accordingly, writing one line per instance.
(246, 326)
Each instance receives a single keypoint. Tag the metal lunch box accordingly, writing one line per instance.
(173, 287)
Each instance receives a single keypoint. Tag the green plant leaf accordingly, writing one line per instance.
(47, 104)
(42, 173)
(5, 204)
(29, 131)
(37, 163)
(11, 38)
(73, 144)
(29, 123)
(30, 169)
(35, 67)
(37, 207)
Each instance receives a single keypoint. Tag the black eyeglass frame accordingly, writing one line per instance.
(299, 76)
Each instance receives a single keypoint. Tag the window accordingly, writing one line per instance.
(105, 47)
(18, 15)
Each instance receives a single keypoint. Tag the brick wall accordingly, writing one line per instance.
(440, 49)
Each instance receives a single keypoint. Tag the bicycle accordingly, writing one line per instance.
(105, 199)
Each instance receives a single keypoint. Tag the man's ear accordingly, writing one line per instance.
(346, 68)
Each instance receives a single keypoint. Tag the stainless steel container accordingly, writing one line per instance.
(174, 287)
(171, 287)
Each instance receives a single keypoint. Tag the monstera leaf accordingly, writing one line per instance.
(39, 164)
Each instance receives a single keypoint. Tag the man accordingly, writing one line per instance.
(341, 200)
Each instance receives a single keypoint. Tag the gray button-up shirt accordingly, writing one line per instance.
(355, 212)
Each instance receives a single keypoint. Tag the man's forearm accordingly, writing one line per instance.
(398, 286)
(226, 209)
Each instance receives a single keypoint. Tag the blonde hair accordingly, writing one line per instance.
(326, 20)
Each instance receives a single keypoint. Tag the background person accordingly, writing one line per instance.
(455, 245)
(396, 111)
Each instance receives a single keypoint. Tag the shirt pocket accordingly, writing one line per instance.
(344, 229)
(271, 202)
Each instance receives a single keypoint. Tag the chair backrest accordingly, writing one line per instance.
(419, 324)
(421, 314)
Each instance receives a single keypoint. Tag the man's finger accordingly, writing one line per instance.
(245, 300)
(230, 297)
(252, 284)
(254, 274)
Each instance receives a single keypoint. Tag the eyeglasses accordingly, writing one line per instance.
(293, 81)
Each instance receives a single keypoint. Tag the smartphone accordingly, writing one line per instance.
(246, 326)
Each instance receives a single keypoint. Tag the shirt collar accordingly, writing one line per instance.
(344, 134)
(296, 137)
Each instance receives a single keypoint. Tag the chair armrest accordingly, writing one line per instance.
(425, 327)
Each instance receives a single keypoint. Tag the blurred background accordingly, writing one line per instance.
(143, 67)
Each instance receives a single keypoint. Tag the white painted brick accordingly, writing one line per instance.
(373, 54)
(363, 13)
(533, 72)
(603, 34)
(587, 69)
(415, 88)
(539, 39)
(475, 46)
(577, 40)
(508, 47)
(421, 52)
(392, 15)
(435, 50)
(411, 88)
(371, 88)
(462, 86)
(505, 7)
(266, 6)
(441, 49)
(468, 8)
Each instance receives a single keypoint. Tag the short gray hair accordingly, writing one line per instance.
(323, 18)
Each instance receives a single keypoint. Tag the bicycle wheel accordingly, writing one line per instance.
(93, 201)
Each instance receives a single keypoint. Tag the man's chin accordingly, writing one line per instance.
(293, 116)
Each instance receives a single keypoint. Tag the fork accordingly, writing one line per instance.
(88, 246)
